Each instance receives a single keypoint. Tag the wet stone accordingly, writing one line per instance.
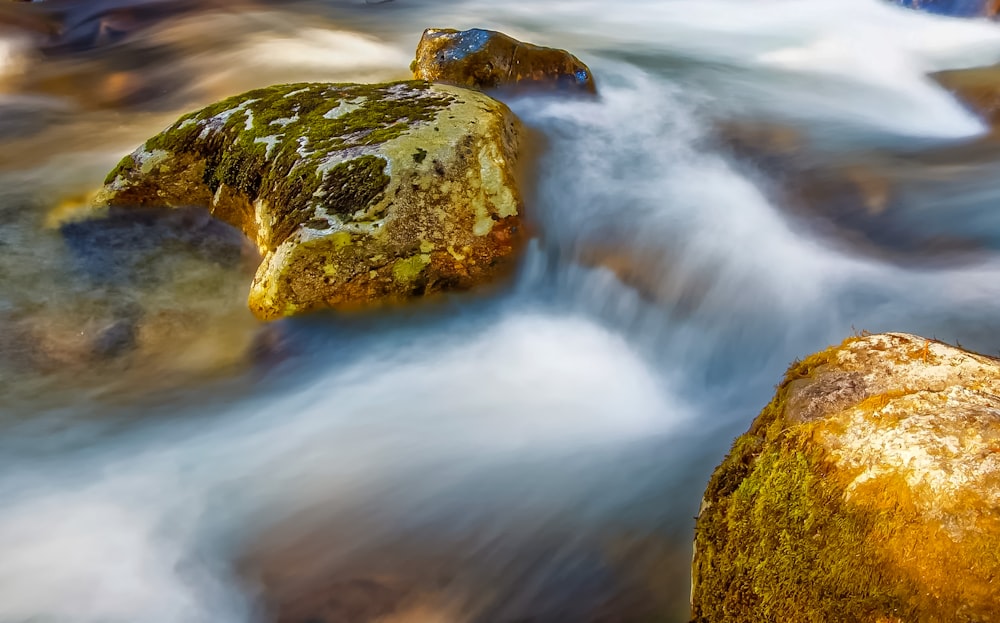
(868, 487)
(334, 185)
(486, 59)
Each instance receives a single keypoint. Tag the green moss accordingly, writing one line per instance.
(275, 141)
(346, 188)
(783, 546)
(407, 270)
(124, 165)
(353, 185)
(242, 170)
(780, 549)
(341, 240)
(776, 540)
(804, 368)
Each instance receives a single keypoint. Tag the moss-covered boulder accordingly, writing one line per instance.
(354, 194)
(867, 491)
(486, 59)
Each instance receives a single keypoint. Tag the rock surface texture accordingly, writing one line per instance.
(486, 59)
(354, 194)
(978, 88)
(868, 490)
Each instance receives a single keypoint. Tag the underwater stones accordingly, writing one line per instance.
(354, 194)
(867, 490)
(45, 341)
(486, 59)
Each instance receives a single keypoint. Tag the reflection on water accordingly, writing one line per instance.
(754, 182)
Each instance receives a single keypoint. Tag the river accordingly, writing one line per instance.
(754, 182)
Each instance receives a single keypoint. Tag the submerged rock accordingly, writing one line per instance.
(354, 194)
(978, 88)
(486, 59)
(867, 490)
(868, 201)
(145, 300)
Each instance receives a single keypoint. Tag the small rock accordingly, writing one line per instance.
(486, 59)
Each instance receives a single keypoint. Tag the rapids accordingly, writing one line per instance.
(535, 453)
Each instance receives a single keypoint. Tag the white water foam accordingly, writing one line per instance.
(253, 49)
(113, 550)
(629, 167)
(13, 58)
(858, 62)
(139, 534)
(319, 49)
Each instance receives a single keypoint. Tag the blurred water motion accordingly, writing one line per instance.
(754, 182)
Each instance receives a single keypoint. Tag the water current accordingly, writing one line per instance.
(754, 182)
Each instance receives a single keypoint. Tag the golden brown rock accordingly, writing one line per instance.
(354, 194)
(867, 491)
(486, 59)
(978, 88)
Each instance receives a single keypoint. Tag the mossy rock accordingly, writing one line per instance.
(867, 491)
(354, 194)
(487, 59)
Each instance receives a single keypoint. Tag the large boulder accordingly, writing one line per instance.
(486, 59)
(867, 491)
(354, 194)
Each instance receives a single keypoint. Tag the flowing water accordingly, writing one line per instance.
(755, 181)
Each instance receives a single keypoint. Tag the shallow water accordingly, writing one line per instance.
(534, 453)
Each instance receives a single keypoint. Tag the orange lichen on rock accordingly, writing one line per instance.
(868, 490)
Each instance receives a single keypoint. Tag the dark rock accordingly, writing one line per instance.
(486, 59)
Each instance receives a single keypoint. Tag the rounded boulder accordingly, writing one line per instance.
(354, 194)
(868, 490)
